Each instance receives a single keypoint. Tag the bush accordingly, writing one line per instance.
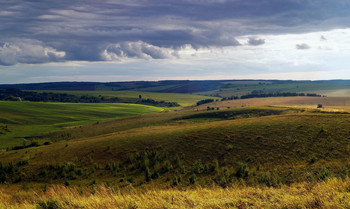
(214, 166)
(242, 170)
(79, 172)
(155, 175)
(176, 181)
(223, 178)
(130, 179)
(198, 167)
(182, 169)
(22, 162)
(268, 179)
(147, 174)
(205, 101)
(166, 167)
(193, 178)
(66, 183)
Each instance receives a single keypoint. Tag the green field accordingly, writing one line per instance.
(27, 119)
(181, 99)
(243, 88)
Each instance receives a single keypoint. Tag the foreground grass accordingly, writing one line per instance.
(332, 193)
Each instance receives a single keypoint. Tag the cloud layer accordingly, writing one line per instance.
(28, 51)
(114, 30)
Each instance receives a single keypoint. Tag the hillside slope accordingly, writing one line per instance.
(255, 145)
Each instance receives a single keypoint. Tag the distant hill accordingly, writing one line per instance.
(221, 88)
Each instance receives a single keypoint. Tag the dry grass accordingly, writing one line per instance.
(281, 101)
(333, 193)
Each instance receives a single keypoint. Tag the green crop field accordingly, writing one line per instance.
(27, 119)
(181, 99)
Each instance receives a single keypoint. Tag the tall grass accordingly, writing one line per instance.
(333, 193)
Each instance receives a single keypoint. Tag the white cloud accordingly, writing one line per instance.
(28, 51)
(139, 50)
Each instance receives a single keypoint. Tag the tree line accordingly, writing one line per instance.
(13, 94)
(260, 94)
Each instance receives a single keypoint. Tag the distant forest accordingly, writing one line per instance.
(13, 94)
(257, 94)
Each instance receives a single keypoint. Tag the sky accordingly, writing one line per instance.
(118, 40)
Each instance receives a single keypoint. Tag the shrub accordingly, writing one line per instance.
(130, 179)
(242, 170)
(204, 101)
(155, 175)
(115, 167)
(268, 179)
(22, 162)
(214, 166)
(43, 173)
(176, 181)
(198, 167)
(166, 167)
(223, 179)
(147, 174)
(66, 183)
(79, 172)
(193, 178)
(182, 169)
(108, 166)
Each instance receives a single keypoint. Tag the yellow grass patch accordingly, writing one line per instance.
(333, 193)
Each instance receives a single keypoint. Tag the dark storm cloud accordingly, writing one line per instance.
(255, 41)
(154, 29)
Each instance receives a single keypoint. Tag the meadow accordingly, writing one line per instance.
(267, 146)
(278, 152)
(181, 99)
(20, 121)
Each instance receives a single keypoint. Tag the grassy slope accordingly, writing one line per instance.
(334, 93)
(182, 99)
(24, 119)
(340, 102)
(282, 144)
(271, 139)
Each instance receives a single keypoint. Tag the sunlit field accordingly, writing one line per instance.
(20, 120)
